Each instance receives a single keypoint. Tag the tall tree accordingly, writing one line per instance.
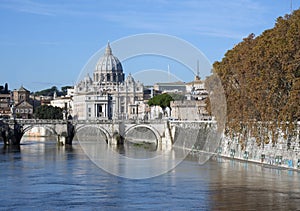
(48, 112)
(162, 100)
(261, 79)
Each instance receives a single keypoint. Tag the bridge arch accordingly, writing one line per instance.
(103, 130)
(152, 129)
(29, 127)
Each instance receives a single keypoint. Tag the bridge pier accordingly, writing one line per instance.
(70, 133)
(117, 139)
(61, 139)
(65, 135)
(11, 134)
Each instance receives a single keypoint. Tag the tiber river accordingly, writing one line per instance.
(40, 175)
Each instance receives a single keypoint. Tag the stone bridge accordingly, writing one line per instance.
(162, 132)
(12, 130)
(114, 130)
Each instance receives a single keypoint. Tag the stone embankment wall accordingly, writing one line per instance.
(284, 154)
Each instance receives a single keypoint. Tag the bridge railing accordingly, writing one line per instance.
(193, 121)
(127, 121)
(98, 121)
(92, 121)
(35, 121)
(132, 121)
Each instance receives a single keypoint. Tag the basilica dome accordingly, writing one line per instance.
(108, 62)
(108, 68)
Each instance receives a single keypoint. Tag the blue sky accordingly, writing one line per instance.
(46, 43)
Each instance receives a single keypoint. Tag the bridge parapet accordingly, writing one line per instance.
(35, 121)
(99, 121)
(192, 124)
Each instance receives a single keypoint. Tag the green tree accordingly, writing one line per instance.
(162, 100)
(48, 112)
(50, 91)
(176, 96)
(47, 92)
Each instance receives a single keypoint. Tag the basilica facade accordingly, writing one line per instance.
(108, 94)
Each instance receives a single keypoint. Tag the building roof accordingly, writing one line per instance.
(176, 83)
(195, 82)
(23, 104)
(87, 79)
(129, 79)
(22, 89)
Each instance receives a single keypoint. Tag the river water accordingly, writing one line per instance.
(43, 176)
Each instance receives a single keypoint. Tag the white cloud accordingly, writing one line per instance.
(27, 6)
(51, 8)
(209, 17)
(229, 19)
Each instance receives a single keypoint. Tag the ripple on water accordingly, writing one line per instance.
(43, 176)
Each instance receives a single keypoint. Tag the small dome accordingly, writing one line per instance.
(108, 63)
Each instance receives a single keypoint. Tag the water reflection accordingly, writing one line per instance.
(141, 150)
(247, 186)
(129, 161)
(10, 149)
(43, 175)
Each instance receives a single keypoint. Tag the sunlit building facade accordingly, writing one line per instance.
(107, 94)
